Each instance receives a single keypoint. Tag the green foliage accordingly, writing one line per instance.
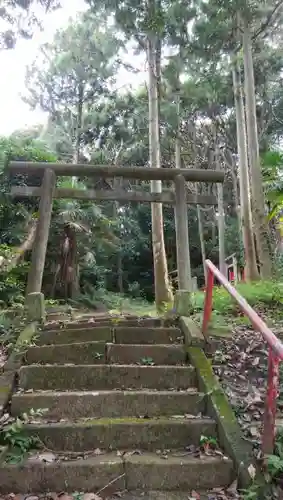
(147, 361)
(207, 442)
(87, 116)
(258, 294)
(12, 282)
(13, 436)
(267, 485)
(114, 302)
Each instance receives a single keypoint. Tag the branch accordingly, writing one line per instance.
(268, 19)
(9, 264)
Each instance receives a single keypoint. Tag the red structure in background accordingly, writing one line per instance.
(275, 355)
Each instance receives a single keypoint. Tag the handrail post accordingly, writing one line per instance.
(208, 301)
(269, 427)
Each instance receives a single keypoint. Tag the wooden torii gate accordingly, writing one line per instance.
(179, 197)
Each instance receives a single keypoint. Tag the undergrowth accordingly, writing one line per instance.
(114, 301)
(14, 438)
(258, 294)
(268, 486)
(12, 323)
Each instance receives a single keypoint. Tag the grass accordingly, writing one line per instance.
(116, 303)
(261, 294)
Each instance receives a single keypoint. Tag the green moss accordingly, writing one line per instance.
(220, 331)
(191, 331)
(3, 452)
(27, 334)
(206, 377)
(218, 407)
(123, 420)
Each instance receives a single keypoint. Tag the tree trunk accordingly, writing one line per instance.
(178, 164)
(221, 215)
(116, 184)
(237, 201)
(202, 242)
(251, 271)
(221, 229)
(77, 151)
(258, 207)
(163, 293)
(8, 264)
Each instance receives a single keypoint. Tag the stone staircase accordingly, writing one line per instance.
(124, 412)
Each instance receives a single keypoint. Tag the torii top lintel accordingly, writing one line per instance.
(104, 171)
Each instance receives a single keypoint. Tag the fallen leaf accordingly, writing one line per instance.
(194, 495)
(91, 496)
(252, 471)
(97, 451)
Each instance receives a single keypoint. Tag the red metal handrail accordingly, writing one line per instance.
(275, 355)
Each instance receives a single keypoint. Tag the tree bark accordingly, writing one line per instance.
(258, 207)
(202, 242)
(236, 199)
(8, 264)
(116, 185)
(221, 215)
(182, 236)
(181, 213)
(77, 151)
(251, 271)
(163, 293)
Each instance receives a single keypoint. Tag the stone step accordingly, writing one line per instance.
(119, 334)
(90, 322)
(100, 352)
(82, 353)
(74, 405)
(122, 434)
(146, 354)
(147, 471)
(71, 336)
(140, 335)
(105, 377)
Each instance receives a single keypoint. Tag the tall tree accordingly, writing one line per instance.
(71, 72)
(258, 202)
(144, 23)
(245, 206)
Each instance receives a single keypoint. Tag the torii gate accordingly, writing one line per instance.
(179, 197)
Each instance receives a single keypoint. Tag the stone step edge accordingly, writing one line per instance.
(106, 392)
(120, 471)
(107, 345)
(114, 365)
(82, 423)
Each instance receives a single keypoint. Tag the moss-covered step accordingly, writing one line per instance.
(72, 335)
(105, 377)
(123, 433)
(150, 472)
(86, 353)
(229, 432)
(74, 405)
(142, 335)
(90, 474)
(146, 354)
